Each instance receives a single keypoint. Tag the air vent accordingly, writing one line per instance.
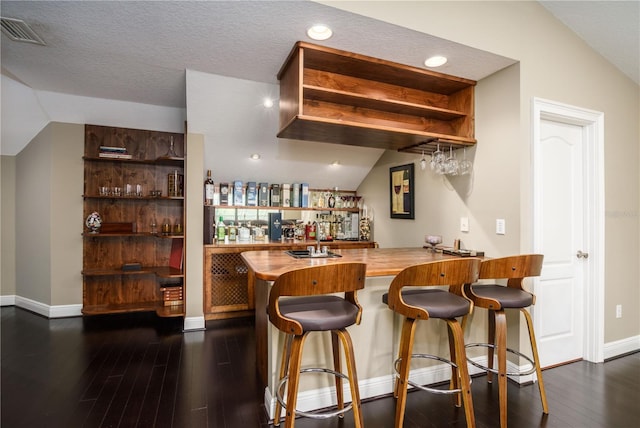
(18, 30)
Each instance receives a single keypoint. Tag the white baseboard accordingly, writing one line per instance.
(8, 300)
(194, 323)
(621, 347)
(56, 311)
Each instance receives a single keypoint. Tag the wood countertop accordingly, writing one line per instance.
(269, 265)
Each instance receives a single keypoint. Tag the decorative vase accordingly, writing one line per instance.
(93, 222)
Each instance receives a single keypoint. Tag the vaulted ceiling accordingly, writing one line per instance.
(138, 51)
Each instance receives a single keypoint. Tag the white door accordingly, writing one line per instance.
(560, 290)
(568, 228)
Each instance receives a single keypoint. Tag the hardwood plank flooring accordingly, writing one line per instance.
(142, 371)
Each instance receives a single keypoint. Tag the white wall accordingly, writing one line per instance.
(33, 219)
(554, 64)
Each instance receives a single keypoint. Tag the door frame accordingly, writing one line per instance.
(592, 123)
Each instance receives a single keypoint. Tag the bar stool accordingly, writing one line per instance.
(496, 298)
(423, 304)
(313, 309)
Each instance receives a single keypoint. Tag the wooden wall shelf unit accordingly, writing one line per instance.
(335, 96)
(107, 288)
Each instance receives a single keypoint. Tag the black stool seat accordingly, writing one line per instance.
(438, 303)
(320, 313)
(507, 296)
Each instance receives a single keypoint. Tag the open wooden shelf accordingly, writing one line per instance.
(335, 96)
(106, 287)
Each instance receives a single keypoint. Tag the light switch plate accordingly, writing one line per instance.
(464, 224)
(500, 226)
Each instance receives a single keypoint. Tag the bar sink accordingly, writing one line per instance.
(306, 254)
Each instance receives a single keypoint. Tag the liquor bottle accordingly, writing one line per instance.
(221, 230)
(208, 189)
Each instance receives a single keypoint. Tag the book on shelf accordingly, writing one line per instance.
(114, 155)
(112, 149)
(176, 258)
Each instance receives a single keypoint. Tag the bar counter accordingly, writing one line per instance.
(375, 339)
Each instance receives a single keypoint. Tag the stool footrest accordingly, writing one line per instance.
(313, 415)
(512, 351)
(396, 365)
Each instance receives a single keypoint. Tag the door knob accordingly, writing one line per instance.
(582, 255)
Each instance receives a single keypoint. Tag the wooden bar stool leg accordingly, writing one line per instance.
(501, 345)
(284, 368)
(406, 341)
(454, 382)
(396, 387)
(491, 339)
(294, 379)
(347, 345)
(536, 360)
(337, 366)
(457, 337)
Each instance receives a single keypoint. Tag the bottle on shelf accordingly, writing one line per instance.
(232, 232)
(208, 189)
(220, 230)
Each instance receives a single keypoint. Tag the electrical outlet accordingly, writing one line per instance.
(618, 311)
(464, 224)
(500, 226)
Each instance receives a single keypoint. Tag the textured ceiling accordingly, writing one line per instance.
(138, 51)
(612, 28)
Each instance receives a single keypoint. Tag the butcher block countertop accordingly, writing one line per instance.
(269, 265)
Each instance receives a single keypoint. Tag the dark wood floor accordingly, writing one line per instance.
(140, 371)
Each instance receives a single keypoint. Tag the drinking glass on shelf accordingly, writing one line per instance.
(171, 152)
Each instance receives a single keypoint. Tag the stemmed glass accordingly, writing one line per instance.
(171, 152)
(433, 240)
(437, 160)
(465, 165)
(451, 164)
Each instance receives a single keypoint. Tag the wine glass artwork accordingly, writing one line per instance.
(433, 240)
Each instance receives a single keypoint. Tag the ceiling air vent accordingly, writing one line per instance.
(18, 30)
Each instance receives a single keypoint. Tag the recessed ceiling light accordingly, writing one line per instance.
(435, 61)
(268, 103)
(335, 163)
(255, 156)
(319, 32)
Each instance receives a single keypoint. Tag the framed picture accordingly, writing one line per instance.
(401, 195)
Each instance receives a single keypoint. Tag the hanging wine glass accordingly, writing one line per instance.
(423, 162)
(451, 164)
(465, 164)
(437, 159)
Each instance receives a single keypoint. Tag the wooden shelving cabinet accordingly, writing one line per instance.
(228, 288)
(335, 96)
(138, 218)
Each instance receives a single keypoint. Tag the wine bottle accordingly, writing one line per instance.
(208, 189)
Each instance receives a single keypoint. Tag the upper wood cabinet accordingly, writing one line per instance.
(334, 96)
